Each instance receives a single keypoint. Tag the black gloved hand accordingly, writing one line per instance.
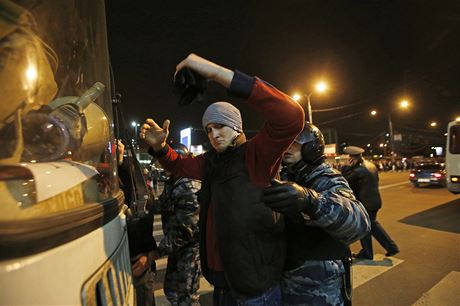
(287, 197)
(190, 86)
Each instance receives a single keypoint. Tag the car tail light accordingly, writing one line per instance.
(438, 175)
(412, 175)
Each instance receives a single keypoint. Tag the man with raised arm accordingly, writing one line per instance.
(242, 247)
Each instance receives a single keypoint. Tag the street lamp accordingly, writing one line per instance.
(390, 130)
(135, 125)
(320, 87)
(404, 104)
(433, 124)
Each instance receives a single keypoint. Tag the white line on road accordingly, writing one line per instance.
(393, 185)
(365, 270)
(445, 292)
(160, 298)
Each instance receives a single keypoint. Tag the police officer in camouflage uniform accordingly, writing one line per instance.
(322, 218)
(179, 216)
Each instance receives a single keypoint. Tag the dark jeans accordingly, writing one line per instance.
(380, 234)
(271, 297)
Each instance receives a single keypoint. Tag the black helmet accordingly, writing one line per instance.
(181, 149)
(312, 141)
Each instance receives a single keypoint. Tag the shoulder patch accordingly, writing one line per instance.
(346, 193)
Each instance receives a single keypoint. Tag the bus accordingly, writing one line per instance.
(453, 157)
(63, 233)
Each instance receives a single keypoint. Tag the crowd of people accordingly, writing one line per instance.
(266, 221)
(387, 165)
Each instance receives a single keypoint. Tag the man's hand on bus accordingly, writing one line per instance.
(143, 262)
(121, 151)
(154, 135)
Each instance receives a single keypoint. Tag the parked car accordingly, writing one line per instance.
(428, 174)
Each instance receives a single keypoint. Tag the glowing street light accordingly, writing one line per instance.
(296, 97)
(135, 125)
(373, 112)
(320, 87)
(433, 124)
(404, 104)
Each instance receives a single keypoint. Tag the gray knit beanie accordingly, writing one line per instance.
(223, 113)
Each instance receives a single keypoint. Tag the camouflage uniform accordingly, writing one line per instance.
(179, 214)
(339, 214)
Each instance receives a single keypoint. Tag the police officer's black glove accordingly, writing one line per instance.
(288, 197)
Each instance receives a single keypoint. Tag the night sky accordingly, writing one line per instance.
(372, 53)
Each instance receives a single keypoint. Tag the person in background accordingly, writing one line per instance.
(322, 218)
(363, 178)
(142, 245)
(155, 177)
(179, 209)
(242, 244)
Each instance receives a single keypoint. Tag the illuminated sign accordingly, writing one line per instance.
(186, 137)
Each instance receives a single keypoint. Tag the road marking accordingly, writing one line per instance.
(393, 185)
(158, 234)
(365, 270)
(445, 292)
(161, 263)
(160, 298)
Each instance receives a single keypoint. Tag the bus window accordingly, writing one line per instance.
(454, 139)
(453, 157)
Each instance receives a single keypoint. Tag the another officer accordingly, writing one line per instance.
(363, 178)
(322, 218)
(179, 216)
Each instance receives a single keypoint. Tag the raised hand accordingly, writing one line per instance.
(207, 69)
(154, 135)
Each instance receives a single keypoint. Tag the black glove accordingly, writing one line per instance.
(190, 86)
(287, 197)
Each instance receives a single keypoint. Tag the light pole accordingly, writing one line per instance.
(134, 124)
(320, 87)
(310, 115)
(392, 140)
(390, 130)
(404, 104)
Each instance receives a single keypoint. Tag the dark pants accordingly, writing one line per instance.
(143, 287)
(379, 233)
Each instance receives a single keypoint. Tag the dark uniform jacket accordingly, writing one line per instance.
(364, 180)
(318, 241)
(336, 218)
(179, 215)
